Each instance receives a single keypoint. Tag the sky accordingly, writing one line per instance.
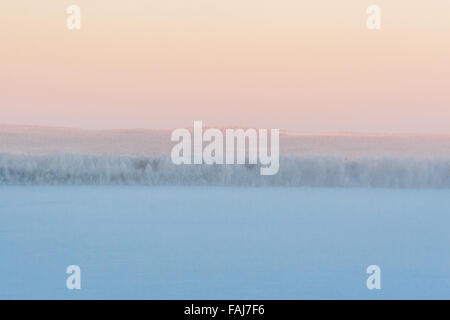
(288, 64)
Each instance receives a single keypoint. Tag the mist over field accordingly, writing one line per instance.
(40, 155)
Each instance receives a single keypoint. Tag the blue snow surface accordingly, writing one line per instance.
(223, 242)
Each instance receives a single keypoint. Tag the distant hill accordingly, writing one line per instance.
(49, 140)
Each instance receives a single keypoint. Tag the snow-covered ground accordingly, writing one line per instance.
(223, 242)
(113, 203)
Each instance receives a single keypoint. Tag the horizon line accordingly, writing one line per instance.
(282, 131)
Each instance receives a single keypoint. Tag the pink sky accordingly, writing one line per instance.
(290, 64)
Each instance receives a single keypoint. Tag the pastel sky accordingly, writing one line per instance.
(289, 64)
